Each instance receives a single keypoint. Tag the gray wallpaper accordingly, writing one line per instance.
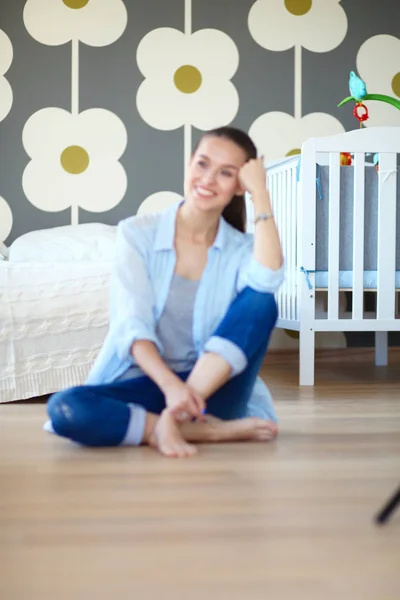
(41, 76)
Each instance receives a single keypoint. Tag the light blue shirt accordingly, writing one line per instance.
(144, 266)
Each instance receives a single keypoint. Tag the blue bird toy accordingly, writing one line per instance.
(357, 87)
(358, 91)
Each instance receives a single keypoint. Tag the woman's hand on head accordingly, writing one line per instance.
(252, 175)
(183, 402)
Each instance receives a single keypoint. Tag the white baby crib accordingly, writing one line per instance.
(340, 231)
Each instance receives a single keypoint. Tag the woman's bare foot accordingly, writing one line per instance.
(215, 430)
(170, 438)
(252, 429)
(167, 438)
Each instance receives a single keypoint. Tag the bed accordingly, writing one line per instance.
(340, 232)
(53, 308)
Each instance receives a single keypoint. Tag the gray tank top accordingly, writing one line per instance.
(175, 328)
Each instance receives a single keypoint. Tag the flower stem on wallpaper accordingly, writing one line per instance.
(297, 81)
(187, 144)
(75, 108)
(74, 214)
(188, 17)
(187, 128)
(75, 77)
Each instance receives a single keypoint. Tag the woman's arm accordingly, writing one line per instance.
(149, 360)
(132, 320)
(267, 247)
(179, 397)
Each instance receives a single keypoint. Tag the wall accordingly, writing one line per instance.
(101, 100)
(146, 76)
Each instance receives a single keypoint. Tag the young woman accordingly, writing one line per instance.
(191, 312)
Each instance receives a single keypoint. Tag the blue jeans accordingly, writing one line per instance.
(99, 415)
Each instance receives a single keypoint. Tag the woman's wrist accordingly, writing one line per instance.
(149, 360)
(261, 201)
(167, 381)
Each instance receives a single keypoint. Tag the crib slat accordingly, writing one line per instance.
(287, 242)
(386, 259)
(358, 236)
(279, 215)
(293, 253)
(289, 260)
(286, 247)
(300, 245)
(271, 183)
(284, 239)
(289, 209)
(334, 235)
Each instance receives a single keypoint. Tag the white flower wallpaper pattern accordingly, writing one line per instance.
(6, 57)
(6, 100)
(378, 63)
(74, 155)
(74, 160)
(318, 25)
(187, 79)
(6, 219)
(279, 134)
(92, 22)
(101, 101)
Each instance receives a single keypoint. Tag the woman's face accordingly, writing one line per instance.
(213, 175)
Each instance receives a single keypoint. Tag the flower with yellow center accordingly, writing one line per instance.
(6, 56)
(187, 79)
(94, 22)
(74, 160)
(318, 25)
(378, 65)
(277, 134)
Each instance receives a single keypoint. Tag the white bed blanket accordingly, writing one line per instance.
(53, 320)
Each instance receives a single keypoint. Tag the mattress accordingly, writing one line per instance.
(346, 279)
(53, 321)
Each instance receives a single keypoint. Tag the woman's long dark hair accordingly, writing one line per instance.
(235, 212)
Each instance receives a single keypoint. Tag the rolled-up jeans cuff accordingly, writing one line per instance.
(233, 355)
(136, 426)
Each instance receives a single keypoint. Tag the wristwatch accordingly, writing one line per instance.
(263, 217)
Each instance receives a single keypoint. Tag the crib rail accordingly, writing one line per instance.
(294, 195)
(386, 251)
(385, 142)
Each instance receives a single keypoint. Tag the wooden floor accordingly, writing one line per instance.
(291, 520)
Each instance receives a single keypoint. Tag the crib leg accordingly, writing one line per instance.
(381, 348)
(307, 356)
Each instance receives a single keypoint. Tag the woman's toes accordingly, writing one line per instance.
(178, 450)
(263, 429)
(189, 450)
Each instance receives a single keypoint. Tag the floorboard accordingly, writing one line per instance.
(290, 520)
